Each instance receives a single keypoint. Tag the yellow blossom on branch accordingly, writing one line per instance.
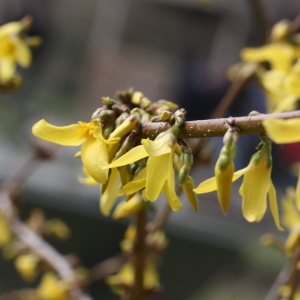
(94, 153)
(256, 186)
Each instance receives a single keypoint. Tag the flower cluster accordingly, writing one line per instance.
(115, 157)
(15, 49)
(279, 69)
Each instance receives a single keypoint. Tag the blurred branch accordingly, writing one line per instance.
(29, 238)
(287, 277)
(106, 267)
(260, 19)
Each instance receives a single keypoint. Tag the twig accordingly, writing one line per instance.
(106, 267)
(260, 19)
(29, 238)
(288, 276)
(139, 259)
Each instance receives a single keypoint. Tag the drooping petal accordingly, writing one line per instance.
(94, 157)
(131, 156)
(134, 186)
(22, 52)
(87, 179)
(188, 189)
(169, 190)
(158, 147)
(126, 209)
(7, 69)
(298, 192)
(283, 131)
(72, 135)
(254, 189)
(224, 184)
(273, 206)
(157, 173)
(107, 200)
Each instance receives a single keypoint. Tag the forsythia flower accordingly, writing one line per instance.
(281, 82)
(159, 175)
(128, 208)
(52, 289)
(256, 186)
(125, 278)
(13, 50)
(26, 265)
(94, 153)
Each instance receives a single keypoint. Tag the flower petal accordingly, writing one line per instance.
(107, 200)
(158, 147)
(169, 190)
(298, 192)
(72, 135)
(273, 206)
(188, 186)
(254, 189)
(94, 157)
(283, 131)
(7, 69)
(134, 186)
(131, 156)
(157, 173)
(23, 53)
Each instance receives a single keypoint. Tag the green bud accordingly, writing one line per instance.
(165, 115)
(109, 102)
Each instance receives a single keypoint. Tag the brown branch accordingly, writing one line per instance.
(29, 238)
(288, 276)
(216, 127)
(106, 267)
(139, 259)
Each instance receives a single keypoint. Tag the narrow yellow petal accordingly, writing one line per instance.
(158, 147)
(224, 184)
(169, 190)
(298, 192)
(126, 209)
(94, 157)
(107, 200)
(7, 69)
(254, 189)
(134, 186)
(273, 206)
(188, 186)
(157, 173)
(23, 53)
(283, 131)
(131, 156)
(72, 135)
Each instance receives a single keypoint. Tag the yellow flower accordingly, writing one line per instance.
(128, 208)
(282, 88)
(94, 153)
(13, 50)
(281, 56)
(256, 186)
(26, 265)
(283, 131)
(51, 288)
(159, 175)
(125, 278)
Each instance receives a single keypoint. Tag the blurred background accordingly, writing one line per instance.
(177, 50)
